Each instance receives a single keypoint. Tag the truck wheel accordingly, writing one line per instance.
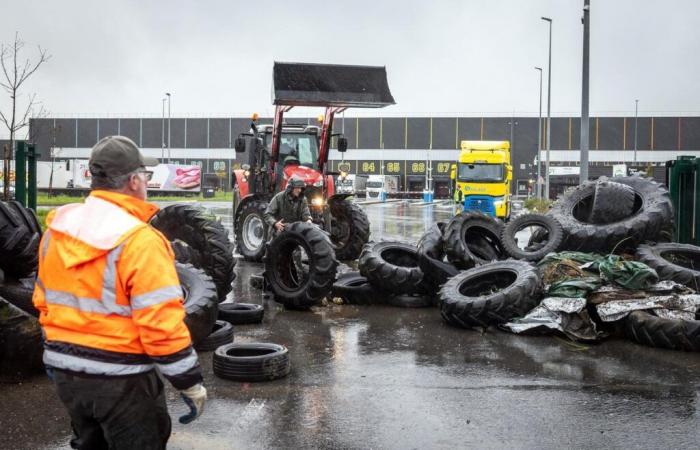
(251, 231)
(349, 229)
(251, 362)
(473, 238)
(221, 334)
(204, 234)
(294, 288)
(490, 294)
(392, 266)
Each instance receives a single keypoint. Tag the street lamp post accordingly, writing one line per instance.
(162, 133)
(539, 141)
(636, 115)
(549, 107)
(168, 94)
(583, 174)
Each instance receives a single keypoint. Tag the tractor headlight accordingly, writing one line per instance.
(317, 201)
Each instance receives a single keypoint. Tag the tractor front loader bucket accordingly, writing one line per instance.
(302, 84)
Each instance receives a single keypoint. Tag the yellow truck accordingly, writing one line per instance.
(482, 177)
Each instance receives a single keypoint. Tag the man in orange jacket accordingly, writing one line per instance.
(111, 309)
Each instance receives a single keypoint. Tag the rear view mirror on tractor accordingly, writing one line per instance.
(342, 144)
(239, 145)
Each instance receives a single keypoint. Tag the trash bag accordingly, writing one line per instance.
(628, 274)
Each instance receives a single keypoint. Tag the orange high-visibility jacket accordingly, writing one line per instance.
(109, 298)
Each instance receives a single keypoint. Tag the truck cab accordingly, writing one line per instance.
(483, 176)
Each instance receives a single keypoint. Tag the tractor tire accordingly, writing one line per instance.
(251, 231)
(21, 346)
(350, 229)
(648, 329)
(201, 301)
(354, 289)
(410, 300)
(675, 262)
(204, 234)
(19, 296)
(290, 287)
(552, 229)
(491, 294)
(611, 202)
(473, 238)
(19, 243)
(221, 334)
(392, 266)
(431, 256)
(241, 313)
(652, 212)
(251, 362)
(185, 254)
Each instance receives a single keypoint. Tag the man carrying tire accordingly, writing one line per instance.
(288, 206)
(111, 309)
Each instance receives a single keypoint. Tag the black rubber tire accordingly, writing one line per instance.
(410, 300)
(657, 257)
(548, 224)
(251, 362)
(186, 254)
(221, 334)
(280, 268)
(19, 243)
(256, 207)
(647, 329)
(653, 211)
(241, 313)
(19, 295)
(392, 266)
(430, 243)
(518, 285)
(21, 346)
(256, 281)
(431, 256)
(612, 202)
(201, 301)
(205, 234)
(354, 289)
(462, 245)
(352, 220)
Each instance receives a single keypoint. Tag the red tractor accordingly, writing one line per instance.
(281, 150)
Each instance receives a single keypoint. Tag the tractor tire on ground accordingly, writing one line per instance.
(19, 243)
(652, 212)
(19, 295)
(204, 234)
(647, 329)
(612, 202)
(251, 231)
(241, 313)
(251, 362)
(431, 256)
(300, 289)
(354, 289)
(21, 346)
(201, 301)
(472, 238)
(185, 254)
(221, 334)
(675, 262)
(392, 266)
(552, 241)
(491, 294)
(349, 229)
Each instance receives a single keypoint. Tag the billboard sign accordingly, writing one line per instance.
(176, 177)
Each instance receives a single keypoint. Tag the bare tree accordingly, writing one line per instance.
(14, 74)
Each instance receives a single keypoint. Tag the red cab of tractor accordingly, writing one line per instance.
(273, 153)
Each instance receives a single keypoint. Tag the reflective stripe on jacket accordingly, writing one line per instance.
(109, 298)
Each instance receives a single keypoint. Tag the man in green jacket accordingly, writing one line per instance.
(288, 206)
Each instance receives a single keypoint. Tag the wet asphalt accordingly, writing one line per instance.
(386, 377)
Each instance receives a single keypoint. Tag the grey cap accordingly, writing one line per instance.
(296, 182)
(117, 155)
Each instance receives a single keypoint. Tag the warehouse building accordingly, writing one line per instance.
(405, 146)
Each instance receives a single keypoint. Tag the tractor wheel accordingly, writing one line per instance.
(251, 231)
(349, 229)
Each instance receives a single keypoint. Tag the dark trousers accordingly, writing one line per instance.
(115, 413)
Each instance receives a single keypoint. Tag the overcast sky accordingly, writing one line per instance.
(442, 57)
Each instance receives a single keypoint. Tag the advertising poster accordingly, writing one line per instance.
(176, 177)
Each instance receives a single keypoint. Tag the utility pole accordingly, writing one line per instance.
(539, 141)
(549, 107)
(636, 115)
(168, 94)
(583, 176)
(162, 134)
